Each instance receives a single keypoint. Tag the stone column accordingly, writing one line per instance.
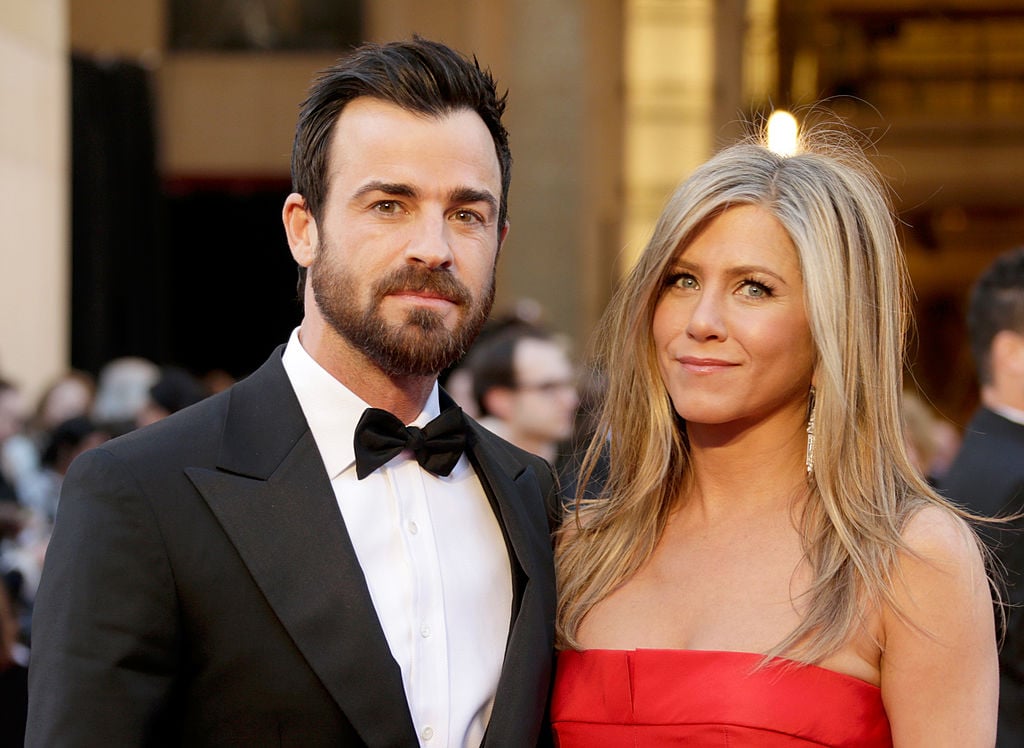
(34, 252)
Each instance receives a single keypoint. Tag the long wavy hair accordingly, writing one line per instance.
(833, 205)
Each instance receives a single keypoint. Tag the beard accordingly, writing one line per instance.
(420, 346)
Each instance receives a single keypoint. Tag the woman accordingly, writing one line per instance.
(765, 566)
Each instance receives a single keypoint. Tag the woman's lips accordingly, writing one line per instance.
(704, 365)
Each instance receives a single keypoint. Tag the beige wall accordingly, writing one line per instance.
(217, 114)
(221, 114)
(34, 185)
(669, 48)
(122, 28)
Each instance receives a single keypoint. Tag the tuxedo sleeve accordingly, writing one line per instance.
(105, 637)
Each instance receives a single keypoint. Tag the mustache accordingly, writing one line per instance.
(414, 278)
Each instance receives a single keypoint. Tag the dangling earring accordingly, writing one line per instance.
(810, 434)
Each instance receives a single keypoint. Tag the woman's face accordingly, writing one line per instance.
(730, 328)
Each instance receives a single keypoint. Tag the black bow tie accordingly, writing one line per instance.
(437, 446)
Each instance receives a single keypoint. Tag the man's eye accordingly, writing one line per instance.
(468, 216)
(386, 206)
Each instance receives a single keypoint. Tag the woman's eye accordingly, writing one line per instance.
(756, 290)
(683, 280)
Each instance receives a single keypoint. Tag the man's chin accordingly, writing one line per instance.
(426, 322)
(411, 349)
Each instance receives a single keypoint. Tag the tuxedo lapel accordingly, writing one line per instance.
(506, 482)
(272, 496)
(517, 491)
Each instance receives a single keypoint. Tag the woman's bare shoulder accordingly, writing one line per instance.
(936, 534)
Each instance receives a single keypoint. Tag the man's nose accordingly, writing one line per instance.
(431, 242)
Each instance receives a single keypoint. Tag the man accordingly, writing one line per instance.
(987, 475)
(523, 382)
(273, 566)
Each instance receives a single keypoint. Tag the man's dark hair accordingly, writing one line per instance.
(65, 438)
(176, 389)
(997, 304)
(418, 75)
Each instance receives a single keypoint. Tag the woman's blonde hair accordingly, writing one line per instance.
(832, 204)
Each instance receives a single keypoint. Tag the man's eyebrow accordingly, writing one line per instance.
(388, 188)
(473, 195)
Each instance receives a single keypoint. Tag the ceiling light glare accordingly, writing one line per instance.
(782, 133)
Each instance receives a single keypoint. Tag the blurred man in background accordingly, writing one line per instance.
(524, 384)
(987, 476)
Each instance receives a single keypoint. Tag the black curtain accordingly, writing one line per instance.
(118, 276)
(233, 278)
(192, 272)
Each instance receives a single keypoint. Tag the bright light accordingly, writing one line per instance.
(782, 132)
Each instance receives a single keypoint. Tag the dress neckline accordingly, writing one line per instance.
(753, 657)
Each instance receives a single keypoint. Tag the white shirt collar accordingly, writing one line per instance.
(1010, 414)
(332, 409)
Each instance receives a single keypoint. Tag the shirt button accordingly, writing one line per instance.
(427, 732)
(413, 528)
(425, 633)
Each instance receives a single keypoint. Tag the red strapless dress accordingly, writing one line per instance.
(651, 698)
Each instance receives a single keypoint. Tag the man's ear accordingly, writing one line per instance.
(300, 228)
(498, 402)
(501, 242)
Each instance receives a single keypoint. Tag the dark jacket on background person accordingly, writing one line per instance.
(987, 477)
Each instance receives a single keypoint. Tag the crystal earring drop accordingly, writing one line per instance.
(810, 434)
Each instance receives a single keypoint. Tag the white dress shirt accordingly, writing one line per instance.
(433, 556)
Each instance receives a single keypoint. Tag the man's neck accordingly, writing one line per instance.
(405, 397)
(1009, 413)
(1003, 398)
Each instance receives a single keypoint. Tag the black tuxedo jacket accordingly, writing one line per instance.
(987, 474)
(987, 477)
(200, 588)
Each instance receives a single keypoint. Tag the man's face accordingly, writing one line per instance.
(408, 240)
(546, 398)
